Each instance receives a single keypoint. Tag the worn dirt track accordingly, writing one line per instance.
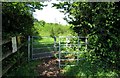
(49, 68)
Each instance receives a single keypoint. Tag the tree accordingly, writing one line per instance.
(99, 21)
(17, 17)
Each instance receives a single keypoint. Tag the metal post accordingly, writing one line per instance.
(59, 52)
(67, 42)
(86, 44)
(55, 48)
(32, 48)
(28, 48)
(1, 39)
(78, 50)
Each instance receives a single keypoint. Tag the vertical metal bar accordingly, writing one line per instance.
(78, 50)
(32, 48)
(59, 52)
(28, 48)
(55, 49)
(0, 39)
(86, 44)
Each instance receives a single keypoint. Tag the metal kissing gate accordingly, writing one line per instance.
(68, 48)
(41, 47)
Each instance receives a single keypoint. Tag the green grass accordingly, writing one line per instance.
(86, 69)
(48, 40)
(26, 69)
(52, 29)
(43, 43)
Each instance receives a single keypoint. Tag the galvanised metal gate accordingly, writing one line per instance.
(41, 47)
(70, 50)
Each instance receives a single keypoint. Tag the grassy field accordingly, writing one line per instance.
(50, 29)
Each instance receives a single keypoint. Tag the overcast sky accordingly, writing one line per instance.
(50, 14)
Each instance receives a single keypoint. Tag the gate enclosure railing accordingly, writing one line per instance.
(68, 48)
(41, 47)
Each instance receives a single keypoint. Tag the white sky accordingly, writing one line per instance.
(50, 14)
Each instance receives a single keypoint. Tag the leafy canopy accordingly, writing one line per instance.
(99, 21)
(17, 17)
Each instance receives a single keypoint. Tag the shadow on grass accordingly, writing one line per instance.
(24, 70)
(88, 69)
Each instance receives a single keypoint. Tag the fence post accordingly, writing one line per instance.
(0, 43)
(86, 44)
(78, 50)
(59, 52)
(55, 44)
(28, 48)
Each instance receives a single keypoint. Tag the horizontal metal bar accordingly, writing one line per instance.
(83, 43)
(69, 44)
(42, 37)
(72, 59)
(73, 52)
(42, 53)
(68, 65)
(61, 37)
(42, 43)
(70, 52)
(72, 37)
(68, 36)
(42, 47)
(69, 59)
(41, 57)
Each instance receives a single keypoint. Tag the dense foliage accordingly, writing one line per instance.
(17, 17)
(17, 20)
(99, 21)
